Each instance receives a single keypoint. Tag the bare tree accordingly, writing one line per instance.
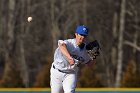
(133, 12)
(54, 25)
(23, 64)
(10, 65)
(120, 44)
(57, 32)
(114, 49)
(85, 12)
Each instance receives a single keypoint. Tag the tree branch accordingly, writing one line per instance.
(132, 45)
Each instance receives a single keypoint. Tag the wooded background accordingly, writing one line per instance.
(26, 48)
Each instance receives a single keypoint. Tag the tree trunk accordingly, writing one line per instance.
(9, 45)
(114, 49)
(55, 35)
(136, 32)
(85, 12)
(23, 64)
(54, 25)
(120, 45)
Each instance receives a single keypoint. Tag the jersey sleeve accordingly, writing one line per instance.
(68, 44)
(60, 42)
(63, 42)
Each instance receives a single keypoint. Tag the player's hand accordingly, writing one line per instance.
(71, 61)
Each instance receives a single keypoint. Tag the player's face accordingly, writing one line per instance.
(80, 38)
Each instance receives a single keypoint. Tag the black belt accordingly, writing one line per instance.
(58, 69)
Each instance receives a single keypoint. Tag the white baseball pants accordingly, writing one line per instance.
(62, 82)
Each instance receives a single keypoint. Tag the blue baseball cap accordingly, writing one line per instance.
(83, 30)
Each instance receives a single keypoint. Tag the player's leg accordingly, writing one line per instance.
(56, 81)
(69, 83)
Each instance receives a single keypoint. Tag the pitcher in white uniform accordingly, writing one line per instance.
(67, 57)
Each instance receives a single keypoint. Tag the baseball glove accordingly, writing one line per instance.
(93, 49)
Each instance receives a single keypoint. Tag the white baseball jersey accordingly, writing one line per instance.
(61, 62)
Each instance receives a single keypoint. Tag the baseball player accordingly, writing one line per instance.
(67, 57)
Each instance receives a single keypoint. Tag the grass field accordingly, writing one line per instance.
(78, 90)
